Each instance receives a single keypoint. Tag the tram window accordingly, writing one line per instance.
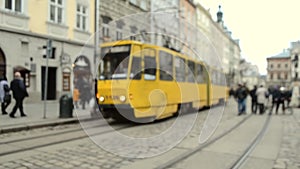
(180, 69)
(136, 68)
(223, 79)
(200, 76)
(191, 71)
(150, 68)
(217, 78)
(212, 76)
(165, 66)
(115, 62)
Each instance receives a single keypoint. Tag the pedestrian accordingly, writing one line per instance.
(275, 93)
(280, 100)
(262, 94)
(5, 96)
(19, 93)
(288, 96)
(241, 96)
(76, 97)
(231, 92)
(253, 99)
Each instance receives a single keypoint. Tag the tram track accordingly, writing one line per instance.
(245, 155)
(190, 152)
(46, 135)
(240, 159)
(46, 140)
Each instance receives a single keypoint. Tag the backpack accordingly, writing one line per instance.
(6, 88)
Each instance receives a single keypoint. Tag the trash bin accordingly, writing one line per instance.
(66, 106)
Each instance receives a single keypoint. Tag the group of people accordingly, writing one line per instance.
(82, 92)
(260, 97)
(19, 92)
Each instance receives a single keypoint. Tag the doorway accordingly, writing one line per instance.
(51, 87)
(2, 64)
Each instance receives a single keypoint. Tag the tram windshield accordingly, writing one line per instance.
(114, 62)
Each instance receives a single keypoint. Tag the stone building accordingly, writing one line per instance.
(123, 20)
(26, 27)
(249, 74)
(279, 69)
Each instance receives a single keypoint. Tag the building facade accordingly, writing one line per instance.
(124, 19)
(216, 45)
(26, 27)
(279, 69)
(250, 75)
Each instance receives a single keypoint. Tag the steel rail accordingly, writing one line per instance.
(189, 153)
(243, 158)
(63, 141)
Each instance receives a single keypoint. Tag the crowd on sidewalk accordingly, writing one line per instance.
(19, 92)
(261, 97)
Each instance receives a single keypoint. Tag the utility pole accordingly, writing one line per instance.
(48, 54)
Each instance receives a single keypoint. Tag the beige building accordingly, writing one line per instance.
(279, 69)
(25, 28)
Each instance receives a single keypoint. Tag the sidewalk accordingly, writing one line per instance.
(35, 117)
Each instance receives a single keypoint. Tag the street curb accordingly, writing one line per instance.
(16, 128)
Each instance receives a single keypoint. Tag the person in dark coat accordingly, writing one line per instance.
(253, 99)
(241, 97)
(19, 93)
(281, 99)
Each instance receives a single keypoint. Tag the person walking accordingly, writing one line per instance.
(76, 97)
(281, 99)
(19, 93)
(241, 95)
(261, 98)
(253, 99)
(5, 96)
(275, 97)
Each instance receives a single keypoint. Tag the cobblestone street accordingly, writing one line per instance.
(84, 153)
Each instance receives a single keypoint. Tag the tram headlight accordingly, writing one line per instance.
(101, 99)
(122, 98)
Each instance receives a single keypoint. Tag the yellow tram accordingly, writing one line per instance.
(144, 82)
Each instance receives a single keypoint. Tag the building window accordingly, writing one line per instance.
(278, 66)
(286, 76)
(286, 65)
(133, 30)
(271, 66)
(81, 17)
(271, 76)
(56, 11)
(119, 35)
(278, 76)
(105, 30)
(120, 24)
(105, 27)
(13, 5)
